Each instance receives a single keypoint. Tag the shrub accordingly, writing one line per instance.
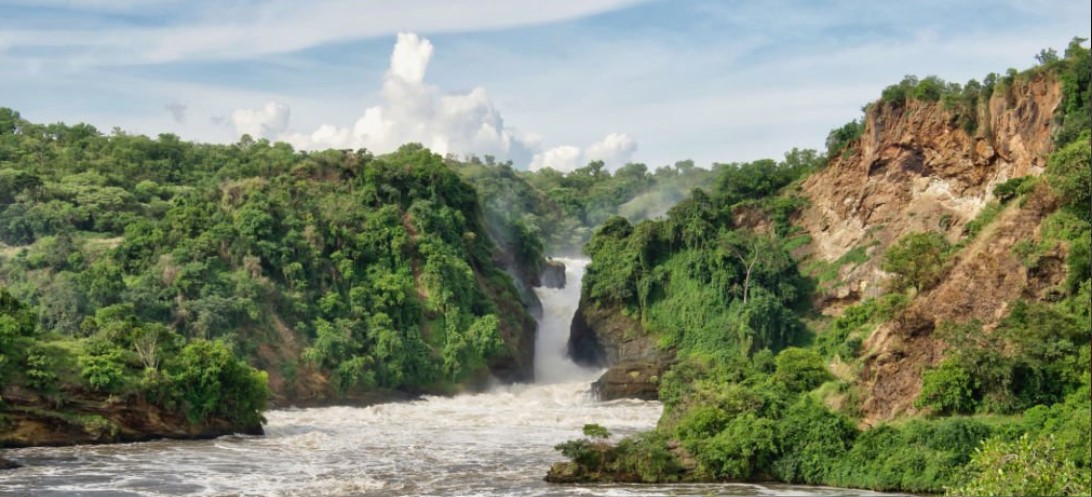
(101, 365)
(800, 369)
(207, 380)
(746, 444)
(1028, 466)
(917, 260)
(949, 389)
(839, 139)
(1008, 190)
(812, 440)
(1069, 172)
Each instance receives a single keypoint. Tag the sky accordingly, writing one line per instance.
(544, 84)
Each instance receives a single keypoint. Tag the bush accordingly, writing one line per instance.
(101, 365)
(207, 380)
(812, 440)
(917, 260)
(949, 389)
(1028, 466)
(800, 370)
(839, 139)
(1069, 172)
(1010, 189)
(748, 443)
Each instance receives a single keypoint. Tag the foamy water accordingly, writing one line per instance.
(498, 443)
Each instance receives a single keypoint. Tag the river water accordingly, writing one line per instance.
(498, 443)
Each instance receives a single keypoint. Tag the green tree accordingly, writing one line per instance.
(917, 260)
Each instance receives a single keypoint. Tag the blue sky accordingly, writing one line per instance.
(544, 83)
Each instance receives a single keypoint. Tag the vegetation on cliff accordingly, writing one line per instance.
(157, 268)
(766, 388)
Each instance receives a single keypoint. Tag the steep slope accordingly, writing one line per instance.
(915, 169)
(344, 276)
(944, 249)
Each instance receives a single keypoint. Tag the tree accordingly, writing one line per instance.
(917, 260)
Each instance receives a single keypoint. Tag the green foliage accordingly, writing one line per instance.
(1032, 358)
(147, 244)
(844, 336)
(813, 440)
(1076, 93)
(1069, 172)
(950, 389)
(39, 369)
(1023, 467)
(917, 260)
(101, 365)
(1008, 190)
(595, 431)
(800, 370)
(206, 379)
(839, 139)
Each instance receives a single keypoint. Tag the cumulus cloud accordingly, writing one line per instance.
(268, 122)
(614, 150)
(412, 110)
(564, 158)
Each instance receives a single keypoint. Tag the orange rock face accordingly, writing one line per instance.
(915, 169)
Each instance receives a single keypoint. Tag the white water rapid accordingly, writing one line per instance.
(498, 443)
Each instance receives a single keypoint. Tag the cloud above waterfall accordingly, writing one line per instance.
(614, 150)
(412, 110)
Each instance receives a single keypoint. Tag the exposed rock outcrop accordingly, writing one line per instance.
(553, 274)
(28, 420)
(631, 380)
(607, 337)
(914, 169)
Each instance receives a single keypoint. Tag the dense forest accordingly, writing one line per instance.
(764, 387)
(209, 279)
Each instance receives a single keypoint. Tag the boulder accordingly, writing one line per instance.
(6, 464)
(553, 274)
(630, 380)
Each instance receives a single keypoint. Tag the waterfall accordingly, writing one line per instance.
(552, 363)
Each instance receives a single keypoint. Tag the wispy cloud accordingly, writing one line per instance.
(263, 27)
(711, 80)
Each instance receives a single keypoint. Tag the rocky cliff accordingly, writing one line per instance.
(607, 337)
(915, 169)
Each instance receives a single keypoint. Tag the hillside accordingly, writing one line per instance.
(156, 287)
(869, 318)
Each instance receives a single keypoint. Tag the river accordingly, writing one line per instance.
(498, 443)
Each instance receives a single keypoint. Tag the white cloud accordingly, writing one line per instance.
(461, 123)
(267, 122)
(234, 30)
(564, 158)
(615, 149)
